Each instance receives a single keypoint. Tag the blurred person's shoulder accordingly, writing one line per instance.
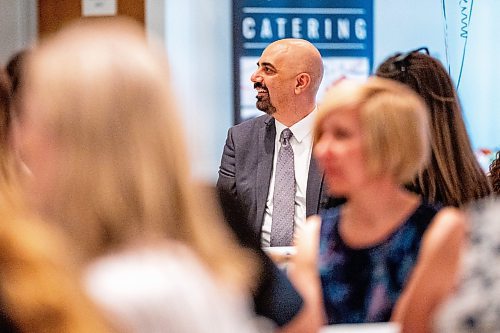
(146, 288)
(141, 271)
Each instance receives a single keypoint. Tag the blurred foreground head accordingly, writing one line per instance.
(100, 133)
(40, 289)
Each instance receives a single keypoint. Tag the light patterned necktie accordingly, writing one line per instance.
(284, 194)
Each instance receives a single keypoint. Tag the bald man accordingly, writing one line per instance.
(287, 79)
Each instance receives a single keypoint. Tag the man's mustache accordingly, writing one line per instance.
(259, 85)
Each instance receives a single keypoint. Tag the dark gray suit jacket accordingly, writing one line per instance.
(246, 168)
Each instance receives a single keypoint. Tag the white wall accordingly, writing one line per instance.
(18, 26)
(198, 39)
(155, 19)
(480, 83)
(404, 25)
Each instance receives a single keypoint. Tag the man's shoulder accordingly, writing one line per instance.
(253, 123)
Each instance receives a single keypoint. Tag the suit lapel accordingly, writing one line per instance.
(314, 188)
(267, 134)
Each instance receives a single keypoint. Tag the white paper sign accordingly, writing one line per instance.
(98, 7)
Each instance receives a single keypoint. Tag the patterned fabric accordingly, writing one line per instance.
(362, 285)
(284, 194)
(475, 305)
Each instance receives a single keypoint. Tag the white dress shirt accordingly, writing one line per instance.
(301, 142)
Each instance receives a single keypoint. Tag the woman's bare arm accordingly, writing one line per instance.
(435, 273)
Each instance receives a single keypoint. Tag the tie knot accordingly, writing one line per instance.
(286, 134)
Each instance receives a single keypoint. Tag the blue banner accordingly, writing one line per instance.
(342, 30)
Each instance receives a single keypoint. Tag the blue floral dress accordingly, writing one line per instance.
(362, 285)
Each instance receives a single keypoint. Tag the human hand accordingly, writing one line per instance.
(307, 245)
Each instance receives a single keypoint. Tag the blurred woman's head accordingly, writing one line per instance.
(100, 133)
(364, 132)
(453, 176)
(39, 290)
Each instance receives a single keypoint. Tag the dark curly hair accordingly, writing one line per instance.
(495, 173)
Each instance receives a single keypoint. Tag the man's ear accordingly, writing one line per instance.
(303, 80)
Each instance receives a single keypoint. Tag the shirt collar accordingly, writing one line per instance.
(300, 129)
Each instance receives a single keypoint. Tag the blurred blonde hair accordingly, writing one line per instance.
(393, 120)
(39, 288)
(103, 94)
